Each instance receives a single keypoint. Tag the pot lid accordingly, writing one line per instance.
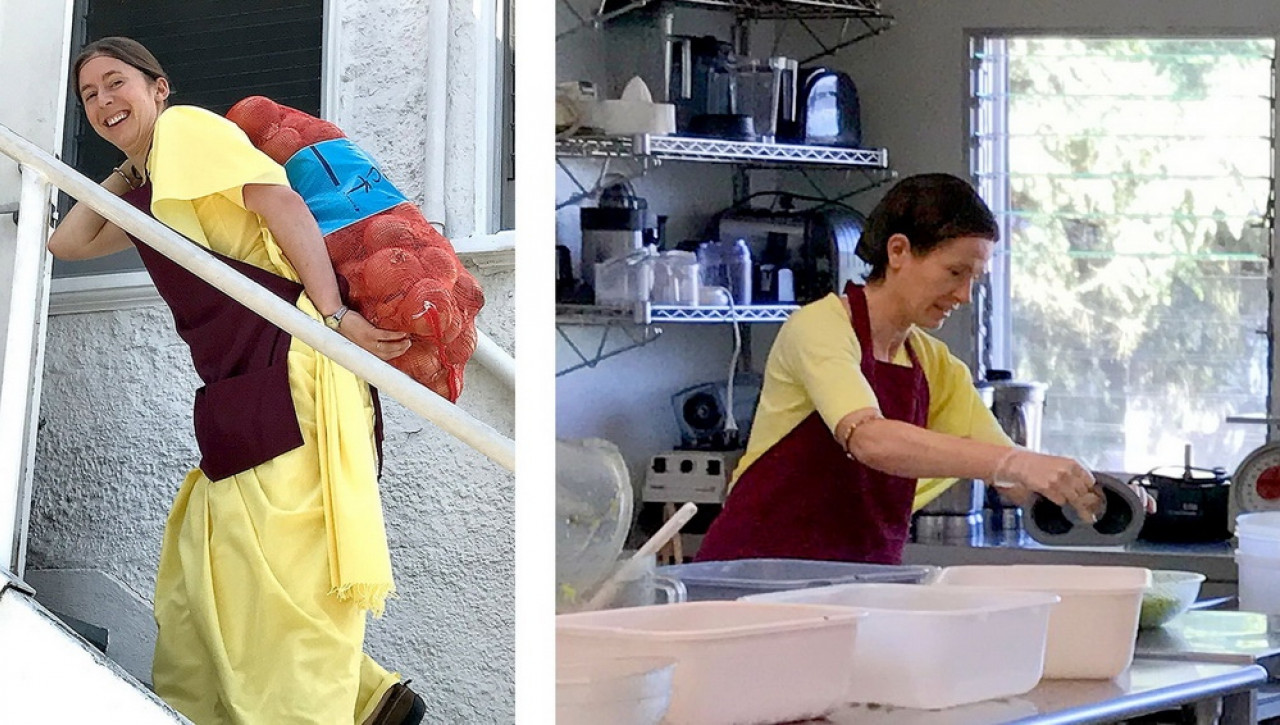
(1192, 475)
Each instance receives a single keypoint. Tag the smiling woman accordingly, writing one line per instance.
(275, 549)
(859, 401)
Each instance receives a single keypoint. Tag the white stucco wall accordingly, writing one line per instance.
(387, 102)
(116, 435)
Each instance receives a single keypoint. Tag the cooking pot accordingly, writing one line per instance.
(1191, 504)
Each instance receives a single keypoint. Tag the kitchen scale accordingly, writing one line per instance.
(1256, 484)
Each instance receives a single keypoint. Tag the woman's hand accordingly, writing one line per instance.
(386, 344)
(1061, 480)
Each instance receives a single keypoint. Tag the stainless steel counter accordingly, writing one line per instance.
(1224, 691)
(1226, 637)
(1242, 638)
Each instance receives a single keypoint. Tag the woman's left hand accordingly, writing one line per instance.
(386, 344)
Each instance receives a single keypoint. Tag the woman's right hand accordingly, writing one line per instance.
(386, 344)
(1061, 480)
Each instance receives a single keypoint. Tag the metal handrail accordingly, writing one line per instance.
(364, 364)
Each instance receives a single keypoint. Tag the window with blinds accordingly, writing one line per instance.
(1133, 179)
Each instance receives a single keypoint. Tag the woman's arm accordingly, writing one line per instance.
(910, 451)
(85, 234)
(298, 235)
(902, 449)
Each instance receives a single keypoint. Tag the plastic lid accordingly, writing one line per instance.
(791, 573)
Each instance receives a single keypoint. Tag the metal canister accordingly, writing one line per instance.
(1019, 408)
(1018, 405)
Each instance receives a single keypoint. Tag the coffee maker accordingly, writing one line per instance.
(620, 224)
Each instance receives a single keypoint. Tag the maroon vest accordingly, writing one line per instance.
(805, 499)
(244, 413)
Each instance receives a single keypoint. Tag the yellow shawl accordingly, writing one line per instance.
(199, 163)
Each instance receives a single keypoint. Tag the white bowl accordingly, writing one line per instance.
(1171, 593)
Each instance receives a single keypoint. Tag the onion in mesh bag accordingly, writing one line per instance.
(402, 273)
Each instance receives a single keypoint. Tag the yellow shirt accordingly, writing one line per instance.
(199, 164)
(815, 365)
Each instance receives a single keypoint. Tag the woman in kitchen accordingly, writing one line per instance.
(859, 401)
(275, 548)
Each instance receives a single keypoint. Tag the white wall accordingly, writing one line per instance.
(117, 437)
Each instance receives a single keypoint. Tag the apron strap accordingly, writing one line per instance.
(860, 317)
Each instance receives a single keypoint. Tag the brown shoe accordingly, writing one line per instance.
(399, 706)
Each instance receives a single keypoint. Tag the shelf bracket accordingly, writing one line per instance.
(603, 179)
(873, 177)
(871, 26)
(636, 337)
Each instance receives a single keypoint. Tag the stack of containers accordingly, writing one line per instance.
(934, 647)
(623, 691)
(1258, 559)
(1093, 630)
(728, 580)
(736, 662)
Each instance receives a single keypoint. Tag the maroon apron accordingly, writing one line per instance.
(805, 499)
(243, 415)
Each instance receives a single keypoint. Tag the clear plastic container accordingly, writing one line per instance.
(624, 281)
(728, 265)
(1092, 632)
(736, 662)
(1259, 583)
(644, 587)
(676, 279)
(931, 648)
(724, 580)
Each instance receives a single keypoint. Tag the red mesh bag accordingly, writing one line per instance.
(402, 274)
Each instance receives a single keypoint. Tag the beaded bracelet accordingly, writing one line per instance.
(126, 178)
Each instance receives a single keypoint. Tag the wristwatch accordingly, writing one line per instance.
(332, 321)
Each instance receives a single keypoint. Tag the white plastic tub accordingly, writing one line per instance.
(1259, 582)
(627, 691)
(1259, 534)
(929, 648)
(737, 663)
(1092, 631)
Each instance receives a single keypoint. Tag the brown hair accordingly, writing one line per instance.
(125, 50)
(928, 209)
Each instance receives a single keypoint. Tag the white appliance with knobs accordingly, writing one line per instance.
(698, 476)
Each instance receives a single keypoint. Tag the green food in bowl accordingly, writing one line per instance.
(1171, 594)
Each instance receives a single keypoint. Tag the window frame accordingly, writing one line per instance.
(992, 323)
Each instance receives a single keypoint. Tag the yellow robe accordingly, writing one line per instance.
(260, 621)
